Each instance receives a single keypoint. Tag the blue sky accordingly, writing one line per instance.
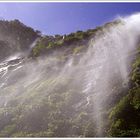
(64, 18)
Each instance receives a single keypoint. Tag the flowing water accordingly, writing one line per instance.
(99, 75)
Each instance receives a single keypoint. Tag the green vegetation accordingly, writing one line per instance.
(56, 42)
(38, 49)
(124, 117)
(77, 49)
(49, 43)
(51, 116)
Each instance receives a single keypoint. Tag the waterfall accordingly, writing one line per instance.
(99, 75)
(109, 57)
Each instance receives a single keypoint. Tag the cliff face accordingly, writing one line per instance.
(15, 37)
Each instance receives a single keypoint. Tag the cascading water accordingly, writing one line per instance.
(98, 76)
(109, 57)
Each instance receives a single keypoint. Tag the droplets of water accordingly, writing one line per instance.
(109, 56)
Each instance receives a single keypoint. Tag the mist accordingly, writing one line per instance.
(92, 80)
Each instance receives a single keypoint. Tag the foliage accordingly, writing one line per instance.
(124, 117)
(57, 42)
(77, 49)
(54, 115)
(65, 41)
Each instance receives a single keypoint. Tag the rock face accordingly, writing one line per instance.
(5, 49)
(15, 37)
